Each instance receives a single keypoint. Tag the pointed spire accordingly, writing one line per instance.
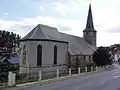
(89, 24)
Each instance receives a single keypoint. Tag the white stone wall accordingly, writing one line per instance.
(47, 53)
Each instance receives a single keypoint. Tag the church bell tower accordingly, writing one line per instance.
(89, 32)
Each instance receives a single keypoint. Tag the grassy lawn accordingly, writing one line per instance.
(48, 77)
(33, 79)
(22, 81)
(3, 84)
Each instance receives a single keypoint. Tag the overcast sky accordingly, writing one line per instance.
(69, 16)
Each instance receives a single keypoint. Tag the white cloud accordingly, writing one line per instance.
(61, 8)
(24, 26)
(84, 1)
(106, 20)
(5, 14)
(41, 8)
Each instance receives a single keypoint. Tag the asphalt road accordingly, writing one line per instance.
(109, 80)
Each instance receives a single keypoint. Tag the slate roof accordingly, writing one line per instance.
(89, 24)
(77, 45)
(43, 32)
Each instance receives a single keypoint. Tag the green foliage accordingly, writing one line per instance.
(102, 57)
(90, 64)
(4, 71)
(3, 84)
(9, 41)
(115, 48)
(22, 81)
(5, 67)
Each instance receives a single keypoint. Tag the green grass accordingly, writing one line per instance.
(3, 84)
(61, 75)
(48, 77)
(22, 81)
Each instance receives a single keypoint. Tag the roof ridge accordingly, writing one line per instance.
(70, 35)
(37, 28)
(33, 32)
(47, 26)
(43, 31)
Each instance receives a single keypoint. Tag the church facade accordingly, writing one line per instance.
(46, 46)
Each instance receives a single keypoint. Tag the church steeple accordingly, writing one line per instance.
(89, 32)
(89, 24)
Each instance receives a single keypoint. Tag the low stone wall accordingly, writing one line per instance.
(47, 70)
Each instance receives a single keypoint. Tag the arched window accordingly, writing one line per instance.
(39, 55)
(24, 54)
(55, 55)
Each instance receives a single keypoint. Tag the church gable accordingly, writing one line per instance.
(43, 32)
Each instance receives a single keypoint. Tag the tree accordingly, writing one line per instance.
(102, 57)
(9, 47)
(9, 42)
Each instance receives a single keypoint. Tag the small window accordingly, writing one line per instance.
(55, 55)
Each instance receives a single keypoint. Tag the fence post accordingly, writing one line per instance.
(99, 68)
(69, 71)
(103, 67)
(10, 78)
(40, 75)
(92, 69)
(85, 69)
(13, 79)
(57, 73)
(79, 71)
(96, 68)
(106, 66)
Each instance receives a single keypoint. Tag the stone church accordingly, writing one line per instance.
(46, 46)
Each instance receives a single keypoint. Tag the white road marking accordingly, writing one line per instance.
(116, 77)
(117, 72)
